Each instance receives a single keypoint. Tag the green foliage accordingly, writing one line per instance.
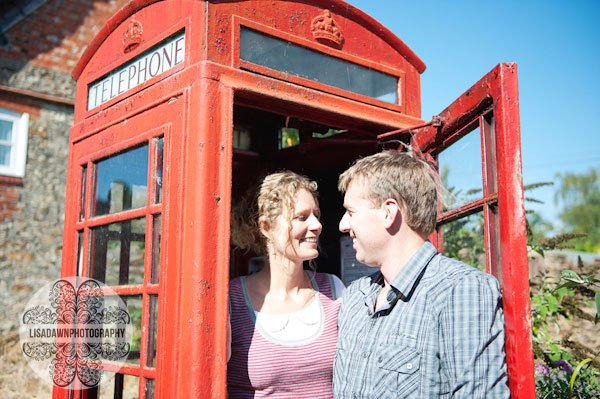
(555, 383)
(580, 196)
(576, 376)
(546, 305)
(571, 279)
(464, 240)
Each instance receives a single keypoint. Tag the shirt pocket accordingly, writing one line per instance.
(399, 370)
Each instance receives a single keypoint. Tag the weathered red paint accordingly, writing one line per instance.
(506, 249)
(192, 105)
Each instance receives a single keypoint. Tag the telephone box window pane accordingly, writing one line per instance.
(159, 170)
(122, 386)
(157, 222)
(118, 252)
(152, 329)
(83, 192)
(149, 389)
(106, 390)
(121, 182)
(464, 239)
(134, 307)
(461, 171)
(79, 253)
(293, 59)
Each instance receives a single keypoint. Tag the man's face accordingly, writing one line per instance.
(364, 222)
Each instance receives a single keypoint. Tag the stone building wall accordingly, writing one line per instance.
(31, 240)
(37, 56)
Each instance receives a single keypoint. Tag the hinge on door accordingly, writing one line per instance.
(436, 121)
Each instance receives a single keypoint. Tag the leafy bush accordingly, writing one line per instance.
(562, 381)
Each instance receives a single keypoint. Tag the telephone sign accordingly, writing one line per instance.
(151, 63)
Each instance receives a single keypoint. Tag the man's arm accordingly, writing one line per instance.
(472, 339)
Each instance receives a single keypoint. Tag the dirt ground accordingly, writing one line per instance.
(17, 380)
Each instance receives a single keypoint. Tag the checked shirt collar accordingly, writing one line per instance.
(403, 284)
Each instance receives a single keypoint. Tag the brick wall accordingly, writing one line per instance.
(9, 197)
(44, 47)
(54, 36)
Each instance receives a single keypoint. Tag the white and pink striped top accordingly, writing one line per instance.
(262, 366)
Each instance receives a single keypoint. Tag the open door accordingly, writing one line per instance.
(489, 113)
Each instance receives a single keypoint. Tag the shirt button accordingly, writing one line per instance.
(380, 359)
(365, 354)
(409, 366)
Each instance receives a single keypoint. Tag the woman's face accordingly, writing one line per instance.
(299, 243)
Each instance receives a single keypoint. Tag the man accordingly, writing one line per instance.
(424, 326)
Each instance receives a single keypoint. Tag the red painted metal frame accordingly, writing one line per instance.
(503, 207)
(196, 99)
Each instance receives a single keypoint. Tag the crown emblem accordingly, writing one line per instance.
(133, 36)
(326, 30)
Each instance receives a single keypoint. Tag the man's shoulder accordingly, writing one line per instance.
(450, 273)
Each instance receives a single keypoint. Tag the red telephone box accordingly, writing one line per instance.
(181, 104)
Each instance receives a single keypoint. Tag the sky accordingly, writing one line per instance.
(556, 45)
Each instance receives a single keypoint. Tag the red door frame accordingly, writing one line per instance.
(506, 247)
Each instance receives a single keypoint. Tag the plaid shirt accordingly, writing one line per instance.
(440, 334)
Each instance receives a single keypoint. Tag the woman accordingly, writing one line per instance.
(283, 318)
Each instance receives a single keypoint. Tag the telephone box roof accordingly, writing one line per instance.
(351, 12)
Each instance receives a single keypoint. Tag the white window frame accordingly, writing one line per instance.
(18, 153)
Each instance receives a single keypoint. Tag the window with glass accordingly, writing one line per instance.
(119, 236)
(284, 56)
(468, 224)
(13, 143)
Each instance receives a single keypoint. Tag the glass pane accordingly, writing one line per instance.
(131, 386)
(287, 57)
(134, 307)
(152, 328)
(6, 128)
(118, 252)
(121, 182)
(107, 389)
(242, 138)
(159, 170)
(464, 240)
(123, 386)
(156, 229)
(460, 171)
(149, 389)
(80, 253)
(83, 192)
(5, 155)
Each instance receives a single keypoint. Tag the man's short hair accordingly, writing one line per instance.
(396, 175)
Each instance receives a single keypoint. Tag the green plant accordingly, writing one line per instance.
(546, 303)
(570, 279)
(564, 382)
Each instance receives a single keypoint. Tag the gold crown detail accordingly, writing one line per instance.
(325, 29)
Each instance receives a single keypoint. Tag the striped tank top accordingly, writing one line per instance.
(262, 366)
